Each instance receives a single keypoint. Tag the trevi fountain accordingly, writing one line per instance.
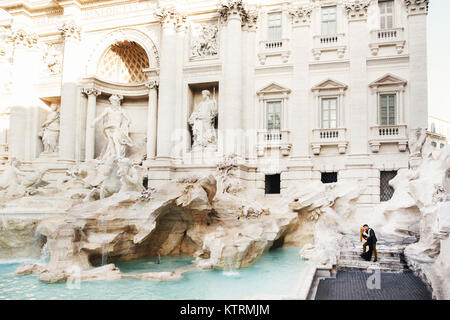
(136, 178)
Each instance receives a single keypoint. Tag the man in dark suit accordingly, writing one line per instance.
(371, 241)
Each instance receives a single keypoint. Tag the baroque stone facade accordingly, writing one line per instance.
(300, 88)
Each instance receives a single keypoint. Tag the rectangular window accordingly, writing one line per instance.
(328, 177)
(388, 109)
(272, 184)
(329, 113)
(386, 14)
(386, 191)
(329, 20)
(273, 115)
(274, 26)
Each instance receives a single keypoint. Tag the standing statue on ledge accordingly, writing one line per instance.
(202, 122)
(50, 131)
(116, 126)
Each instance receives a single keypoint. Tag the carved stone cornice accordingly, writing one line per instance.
(170, 16)
(232, 8)
(301, 15)
(91, 91)
(70, 30)
(417, 6)
(357, 9)
(23, 38)
(152, 84)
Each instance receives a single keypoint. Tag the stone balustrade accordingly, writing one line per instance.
(274, 139)
(388, 134)
(329, 137)
(332, 42)
(274, 48)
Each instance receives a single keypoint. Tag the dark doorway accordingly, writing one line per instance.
(272, 183)
(386, 191)
(328, 177)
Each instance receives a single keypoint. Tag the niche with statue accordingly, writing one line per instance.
(203, 116)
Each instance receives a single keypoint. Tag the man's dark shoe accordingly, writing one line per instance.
(375, 260)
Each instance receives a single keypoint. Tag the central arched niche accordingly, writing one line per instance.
(123, 63)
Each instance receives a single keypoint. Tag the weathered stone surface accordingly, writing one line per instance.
(18, 238)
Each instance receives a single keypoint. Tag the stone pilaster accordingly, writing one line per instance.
(181, 128)
(92, 95)
(358, 162)
(70, 31)
(151, 118)
(358, 35)
(250, 122)
(300, 124)
(233, 15)
(24, 126)
(170, 19)
(417, 44)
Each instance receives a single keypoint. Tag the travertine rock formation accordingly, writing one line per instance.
(420, 208)
(324, 212)
(221, 230)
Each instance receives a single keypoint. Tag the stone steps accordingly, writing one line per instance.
(381, 258)
(369, 264)
(390, 259)
(372, 269)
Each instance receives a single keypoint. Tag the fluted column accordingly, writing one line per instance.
(23, 134)
(92, 95)
(151, 118)
(418, 80)
(69, 89)
(170, 18)
(232, 14)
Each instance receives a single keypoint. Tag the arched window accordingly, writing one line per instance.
(123, 62)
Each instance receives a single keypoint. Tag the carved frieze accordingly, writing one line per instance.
(301, 15)
(204, 40)
(417, 6)
(357, 9)
(52, 58)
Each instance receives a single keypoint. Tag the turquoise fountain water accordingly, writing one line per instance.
(274, 275)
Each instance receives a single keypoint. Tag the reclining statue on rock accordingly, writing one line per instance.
(17, 183)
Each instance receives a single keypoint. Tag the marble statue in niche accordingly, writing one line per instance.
(204, 40)
(116, 125)
(202, 122)
(50, 131)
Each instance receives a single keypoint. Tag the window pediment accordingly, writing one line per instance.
(329, 84)
(273, 89)
(388, 80)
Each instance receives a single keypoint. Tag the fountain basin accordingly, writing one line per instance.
(276, 275)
